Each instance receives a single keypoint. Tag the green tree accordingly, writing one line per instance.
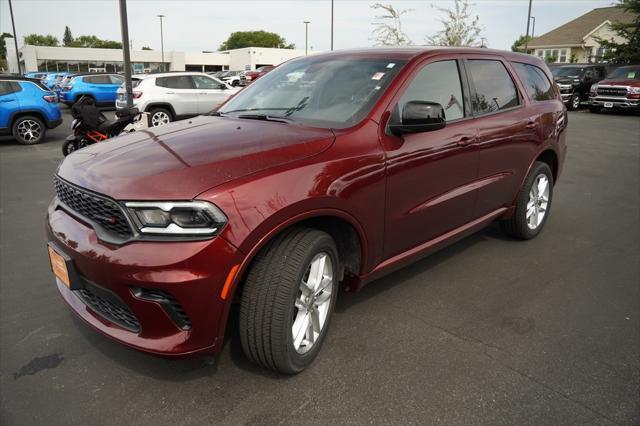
(626, 52)
(67, 38)
(41, 40)
(3, 48)
(518, 45)
(146, 48)
(388, 31)
(240, 39)
(460, 27)
(91, 41)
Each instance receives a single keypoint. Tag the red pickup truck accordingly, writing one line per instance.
(620, 90)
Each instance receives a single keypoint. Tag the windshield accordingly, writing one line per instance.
(625, 73)
(321, 92)
(572, 72)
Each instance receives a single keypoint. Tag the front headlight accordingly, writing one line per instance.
(181, 218)
(594, 87)
(634, 90)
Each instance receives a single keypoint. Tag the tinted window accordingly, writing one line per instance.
(7, 87)
(495, 90)
(438, 82)
(535, 81)
(97, 79)
(116, 79)
(175, 82)
(203, 82)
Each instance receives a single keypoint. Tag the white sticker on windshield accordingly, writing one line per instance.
(391, 65)
(377, 76)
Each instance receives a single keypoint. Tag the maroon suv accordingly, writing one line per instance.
(301, 184)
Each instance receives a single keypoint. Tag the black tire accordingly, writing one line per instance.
(574, 102)
(517, 226)
(267, 305)
(28, 130)
(594, 109)
(234, 83)
(155, 113)
(68, 147)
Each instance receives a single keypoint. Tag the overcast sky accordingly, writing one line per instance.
(195, 25)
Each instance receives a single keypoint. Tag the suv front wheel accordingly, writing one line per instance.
(159, 117)
(287, 300)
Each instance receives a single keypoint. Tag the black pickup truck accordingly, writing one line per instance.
(575, 80)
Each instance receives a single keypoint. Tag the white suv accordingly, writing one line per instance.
(176, 95)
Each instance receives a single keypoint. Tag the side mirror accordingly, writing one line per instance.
(418, 116)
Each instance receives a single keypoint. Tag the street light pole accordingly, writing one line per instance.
(331, 24)
(124, 28)
(162, 41)
(526, 37)
(533, 28)
(306, 37)
(15, 38)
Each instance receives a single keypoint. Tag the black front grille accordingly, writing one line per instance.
(116, 313)
(612, 91)
(100, 210)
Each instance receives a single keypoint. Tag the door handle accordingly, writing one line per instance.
(6, 100)
(466, 140)
(169, 93)
(531, 125)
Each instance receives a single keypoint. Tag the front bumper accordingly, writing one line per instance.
(614, 102)
(191, 272)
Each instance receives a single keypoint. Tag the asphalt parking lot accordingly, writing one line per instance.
(488, 331)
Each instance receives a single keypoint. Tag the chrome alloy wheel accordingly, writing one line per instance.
(29, 130)
(312, 303)
(538, 201)
(160, 118)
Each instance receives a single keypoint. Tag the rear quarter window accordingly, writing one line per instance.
(535, 81)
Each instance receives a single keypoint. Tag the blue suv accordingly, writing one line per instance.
(101, 87)
(27, 109)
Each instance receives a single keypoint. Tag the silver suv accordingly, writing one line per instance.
(174, 96)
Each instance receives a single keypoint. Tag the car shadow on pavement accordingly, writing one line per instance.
(186, 369)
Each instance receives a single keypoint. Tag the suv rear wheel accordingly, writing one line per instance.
(287, 300)
(533, 205)
(159, 117)
(29, 130)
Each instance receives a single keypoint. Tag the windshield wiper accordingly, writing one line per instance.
(266, 117)
(254, 109)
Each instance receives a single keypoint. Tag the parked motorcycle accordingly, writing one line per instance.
(91, 126)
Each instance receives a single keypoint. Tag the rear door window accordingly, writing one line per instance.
(8, 87)
(535, 81)
(175, 82)
(97, 79)
(494, 89)
(438, 82)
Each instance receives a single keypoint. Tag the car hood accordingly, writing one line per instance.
(633, 83)
(183, 159)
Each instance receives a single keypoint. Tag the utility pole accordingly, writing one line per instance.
(124, 28)
(526, 37)
(162, 42)
(331, 24)
(15, 38)
(306, 37)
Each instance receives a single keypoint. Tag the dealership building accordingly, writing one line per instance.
(77, 59)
